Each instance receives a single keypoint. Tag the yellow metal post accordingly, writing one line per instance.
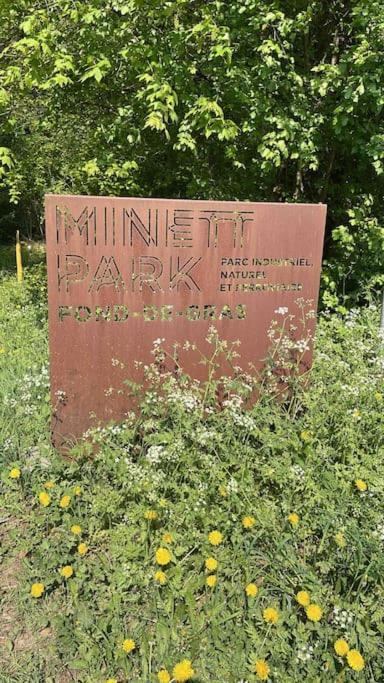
(19, 262)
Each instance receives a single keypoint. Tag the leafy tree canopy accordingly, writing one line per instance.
(253, 99)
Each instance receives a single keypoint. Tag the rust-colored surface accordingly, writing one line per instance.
(123, 272)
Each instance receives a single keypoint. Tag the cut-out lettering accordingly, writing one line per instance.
(179, 228)
(146, 272)
(107, 275)
(67, 225)
(217, 220)
(74, 269)
(147, 231)
(180, 273)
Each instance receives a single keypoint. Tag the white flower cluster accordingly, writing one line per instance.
(244, 420)
(100, 433)
(350, 390)
(304, 653)
(40, 380)
(302, 345)
(152, 399)
(159, 341)
(158, 352)
(7, 445)
(117, 363)
(232, 485)
(212, 335)
(173, 452)
(233, 403)
(139, 476)
(11, 402)
(232, 407)
(158, 453)
(352, 317)
(184, 399)
(204, 436)
(150, 425)
(201, 503)
(61, 395)
(380, 531)
(298, 472)
(33, 386)
(154, 454)
(342, 617)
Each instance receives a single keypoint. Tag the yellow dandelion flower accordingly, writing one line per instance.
(211, 564)
(82, 549)
(303, 598)
(305, 435)
(341, 647)
(151, 515)
(378, 397)
(77, 490)
(128, 645)
(314, 612)
(163, 502)
(44, 498)
(361, 484)
(167, 538)
(223, 491)
(37, 590)
(161, 577)
(163, 556)
(261, 669)
(65, 502)
(163, 676)
(211, 581)
(248, 522)
(215, 537)
(293, 518)
(251, 590)
(15, 473)
(111, 680)
(355, 660)
(66, 571)
(340, 539)
(49, 484)
(271, 615)
(183, 671)
(76, 529)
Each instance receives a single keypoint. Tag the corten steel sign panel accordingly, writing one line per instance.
(123, 272)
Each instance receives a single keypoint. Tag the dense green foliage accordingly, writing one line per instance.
(215, 99)
(198, 469)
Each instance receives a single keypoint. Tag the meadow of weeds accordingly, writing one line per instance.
(203, 543)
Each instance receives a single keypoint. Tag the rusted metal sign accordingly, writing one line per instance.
(123, 272)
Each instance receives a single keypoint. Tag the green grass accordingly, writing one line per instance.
(31, 254)
(198, 470)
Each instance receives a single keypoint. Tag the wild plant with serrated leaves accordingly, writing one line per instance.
(217, 534)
